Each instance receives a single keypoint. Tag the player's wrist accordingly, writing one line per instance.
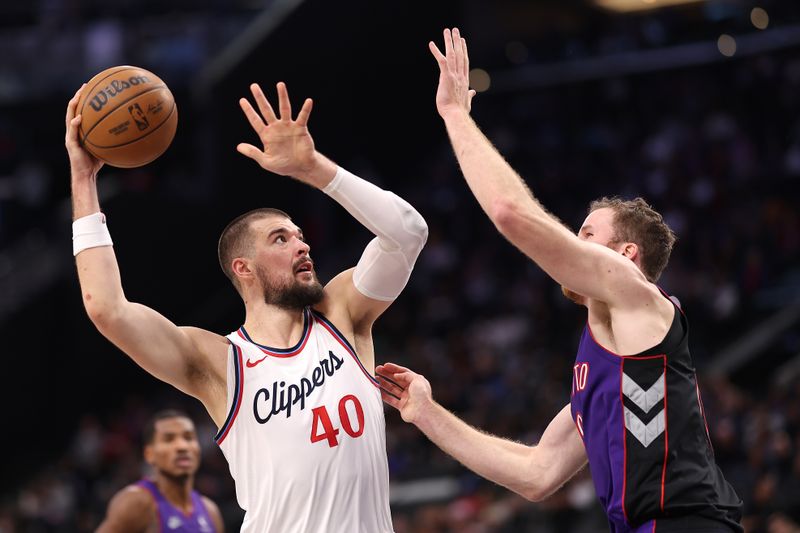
(81, 173)
(90, 231)
(424, 416)
(454, 113)
(319, 171)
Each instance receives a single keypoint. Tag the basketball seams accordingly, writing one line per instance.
(174, 108)
(120, 104)
(152, 130)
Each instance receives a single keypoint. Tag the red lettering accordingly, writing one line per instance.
(329, 434)
(347, 425)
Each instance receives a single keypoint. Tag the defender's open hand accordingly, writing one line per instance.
(406, 391)
(453, 94)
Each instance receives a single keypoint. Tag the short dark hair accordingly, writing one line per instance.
(636, 221)
(149, 431)
(235, 239)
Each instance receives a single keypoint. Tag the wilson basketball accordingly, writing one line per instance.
(129, 116)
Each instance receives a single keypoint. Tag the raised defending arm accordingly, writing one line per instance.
(586, 268)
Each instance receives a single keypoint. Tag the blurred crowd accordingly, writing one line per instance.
(715, 149)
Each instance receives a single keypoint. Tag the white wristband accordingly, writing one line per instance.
(90, 232)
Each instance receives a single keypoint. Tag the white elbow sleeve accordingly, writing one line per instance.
(387, 261)
(381, 274)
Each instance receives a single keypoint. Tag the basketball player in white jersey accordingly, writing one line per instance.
(292, 391)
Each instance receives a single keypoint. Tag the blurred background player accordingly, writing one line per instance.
(296, 379)
(167, 501)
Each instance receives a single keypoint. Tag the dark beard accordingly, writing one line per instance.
(295, 297)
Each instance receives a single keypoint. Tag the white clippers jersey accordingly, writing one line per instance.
(305, 436)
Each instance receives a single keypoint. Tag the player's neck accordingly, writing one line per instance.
(177, 491)
(273, 326)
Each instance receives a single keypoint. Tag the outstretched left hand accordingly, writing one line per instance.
(288, 149)
(405, 390)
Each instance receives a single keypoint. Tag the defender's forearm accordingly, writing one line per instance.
(502, 461)
(492, 180)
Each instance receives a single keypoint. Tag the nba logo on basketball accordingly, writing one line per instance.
(138, 116)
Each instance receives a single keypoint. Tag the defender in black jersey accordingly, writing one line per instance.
(642, 423)
(635, 414)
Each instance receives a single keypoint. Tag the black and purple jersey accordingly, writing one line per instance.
(171, 518)
(643, 425)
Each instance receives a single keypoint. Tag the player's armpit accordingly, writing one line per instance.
(132, 510)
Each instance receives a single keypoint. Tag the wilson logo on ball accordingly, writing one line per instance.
(128, 116)
(113, 89)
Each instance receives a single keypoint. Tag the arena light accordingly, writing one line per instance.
(640, 5)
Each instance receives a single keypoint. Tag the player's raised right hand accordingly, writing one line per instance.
(287, 146)
(81, 162)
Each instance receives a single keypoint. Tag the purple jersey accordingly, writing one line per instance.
(643, 426)
(171, 518)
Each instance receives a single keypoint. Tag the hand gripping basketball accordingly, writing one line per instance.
(128, 116)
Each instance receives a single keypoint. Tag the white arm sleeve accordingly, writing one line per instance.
(386, 264)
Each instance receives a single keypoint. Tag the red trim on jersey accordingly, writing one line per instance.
(666, 440)
(277, 354)
(351, 352)
(238, 393)
(654, 524)
(703, 412)
(637, 357)
(624, 438)
(674, 302)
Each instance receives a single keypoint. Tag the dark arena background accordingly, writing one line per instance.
(693, 105)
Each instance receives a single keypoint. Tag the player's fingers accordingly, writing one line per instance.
(284, 106)
(448, 43)
(72, 136)
(385, 391)
(472, 94)
(73, 104)
(263, 104)
(390, 399)
(388, 383)
(250, 151)
(437, 54)
(391, 368)
(252, 117)
(458, 51)
(466, 56)
(388, 379)
(305, 112)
